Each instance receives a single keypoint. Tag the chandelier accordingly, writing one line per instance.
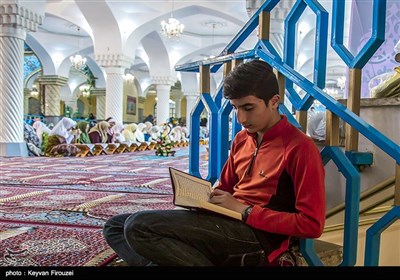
(214, 25)
(129, 78)
(331, 91)
(172, 27)
(341, 82)
(34, 92)
(85, 90)
(77, 61)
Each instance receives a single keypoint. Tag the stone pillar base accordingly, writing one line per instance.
(13, 149)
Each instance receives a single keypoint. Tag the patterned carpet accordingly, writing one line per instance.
(52, 209)
(79, 208)
(48, 245)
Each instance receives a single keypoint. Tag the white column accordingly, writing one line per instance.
(190, 103)
(162, 103)
(114, 65)
(114, 93)
(27, 94)
(51, 95)
(178, 103)
(14, 21)
(163, 87)
(100, 103)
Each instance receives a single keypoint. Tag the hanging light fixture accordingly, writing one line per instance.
(172, 27)
(214, 25)
(341, 82)
(34, 92)
(212, 38)
(77, 61)
(85, 90)
(129, 78)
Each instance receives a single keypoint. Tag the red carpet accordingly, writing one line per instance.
(70, 207)
(52, 210)
(48, 245)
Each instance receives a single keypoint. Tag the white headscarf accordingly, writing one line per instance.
(40, 128)
(155, 132)
(148, 127)
(61, 129)
(185, 133)
(176, 134)
(118, 128)
(142, 127)
(139, 132)
(130, 132)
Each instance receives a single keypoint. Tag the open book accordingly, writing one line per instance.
(193, 192)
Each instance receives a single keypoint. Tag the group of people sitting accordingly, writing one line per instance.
(62, 139)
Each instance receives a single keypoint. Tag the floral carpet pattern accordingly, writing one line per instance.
(48, 245)
(52, 210)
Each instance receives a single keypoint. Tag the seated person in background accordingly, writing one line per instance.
(146, 130)
(203, 132)
(149, 118)
(92, 124)
(185, 132)
(130, 132)
(61, 139)
(204, 128)
(91, 117)
(140, 132)
(176, 134)
(41, 129)
(83, 126)
(155, 133)
(32, 141)
(118, 132)
(98, 133)
(110, 131)
(387, 84)
(316, 124)
(274, 176)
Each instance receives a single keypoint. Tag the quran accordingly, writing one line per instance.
(193, 193)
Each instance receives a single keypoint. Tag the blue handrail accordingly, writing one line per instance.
(285, 66)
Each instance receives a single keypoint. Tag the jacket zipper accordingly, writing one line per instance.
(253, 158)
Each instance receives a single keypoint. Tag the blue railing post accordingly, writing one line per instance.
(313, 89)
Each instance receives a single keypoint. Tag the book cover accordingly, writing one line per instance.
(193, 192)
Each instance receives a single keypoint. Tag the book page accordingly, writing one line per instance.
(189, 186)
(193, 192)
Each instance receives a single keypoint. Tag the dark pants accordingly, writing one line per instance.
(183, 238)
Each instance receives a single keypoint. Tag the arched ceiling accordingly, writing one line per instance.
(132, 28)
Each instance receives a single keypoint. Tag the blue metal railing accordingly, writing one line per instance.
(220, 109)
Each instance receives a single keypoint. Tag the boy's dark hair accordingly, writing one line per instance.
(251, 78)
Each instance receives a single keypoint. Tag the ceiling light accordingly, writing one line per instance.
(331, 91)
(341, 82)
(77, 61)
(34, 92)
(128, 77)
(85, 90)
(214, 25)
(172, 27)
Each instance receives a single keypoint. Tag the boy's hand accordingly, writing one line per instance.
(225, 199)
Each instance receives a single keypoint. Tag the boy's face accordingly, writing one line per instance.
(254, 115)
